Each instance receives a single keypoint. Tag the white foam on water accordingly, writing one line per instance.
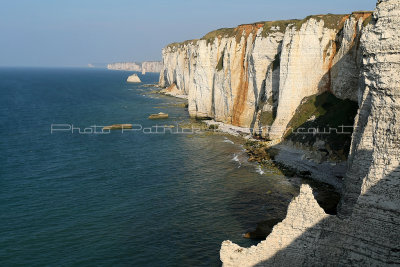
(259, 170)
(228, 141)
(236, 158)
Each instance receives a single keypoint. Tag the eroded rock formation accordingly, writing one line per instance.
(366, 231)
(240, 75)
(133, 79)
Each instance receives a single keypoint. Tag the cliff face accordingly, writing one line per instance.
(237, 76)
(366, 230)
(148, 66)
(152, 66)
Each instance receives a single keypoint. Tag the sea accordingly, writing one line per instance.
(74, 195)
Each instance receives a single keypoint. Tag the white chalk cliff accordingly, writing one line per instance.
(145, 66)
(235, 75)
(366, 231)
(131, 66)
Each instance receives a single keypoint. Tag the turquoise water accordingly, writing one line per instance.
(131, 199)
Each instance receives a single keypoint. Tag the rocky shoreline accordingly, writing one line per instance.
(305, 161)
(299, 165)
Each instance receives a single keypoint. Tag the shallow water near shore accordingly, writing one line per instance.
(129, 199)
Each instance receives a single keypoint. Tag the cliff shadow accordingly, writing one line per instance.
(332, 113)
(355, 172)
(259, 208)
(368, 237)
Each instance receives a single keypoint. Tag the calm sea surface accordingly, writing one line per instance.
(127, 199)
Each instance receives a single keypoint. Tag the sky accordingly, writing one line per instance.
(73, 33)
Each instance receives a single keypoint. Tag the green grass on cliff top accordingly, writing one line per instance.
(331, 21)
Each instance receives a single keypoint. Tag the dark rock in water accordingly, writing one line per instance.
(160, 115)
(118, 127)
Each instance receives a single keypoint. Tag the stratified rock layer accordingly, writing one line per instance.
(366, 231)
(235, 75)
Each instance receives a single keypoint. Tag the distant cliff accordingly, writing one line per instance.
(147, 66)
(131, 66)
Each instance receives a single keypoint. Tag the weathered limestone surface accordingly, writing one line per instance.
(310, 64)
(233, 77)
(230, 94)
(366, 231)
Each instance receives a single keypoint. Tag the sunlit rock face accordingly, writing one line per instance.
(234, 75)
(366, 230)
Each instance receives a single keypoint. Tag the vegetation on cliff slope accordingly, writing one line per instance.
(324, 117)
(276, 26)
(220, 33)
(331, 21)
(182, 44)
(268, 117)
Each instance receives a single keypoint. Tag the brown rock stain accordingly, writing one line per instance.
(357, 15)
(243, 86)
(362, 14)
(343, 20)
(170, 88)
